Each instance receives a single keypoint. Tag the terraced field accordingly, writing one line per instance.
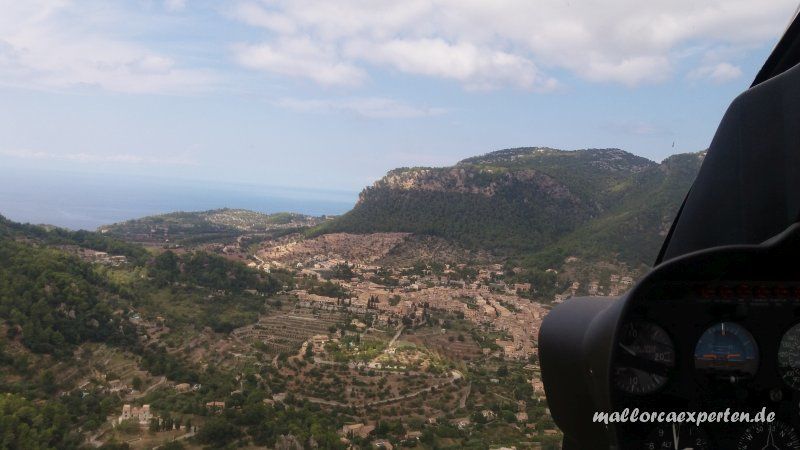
(447, 344)
(285, 332)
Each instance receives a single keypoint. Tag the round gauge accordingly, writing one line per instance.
(789, 357)
(770, 436)
(677, 436)
(644, 355)
(727, 349)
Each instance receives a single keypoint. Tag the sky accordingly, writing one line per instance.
(332, 94)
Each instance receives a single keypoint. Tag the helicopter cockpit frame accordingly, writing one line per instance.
(716, 324)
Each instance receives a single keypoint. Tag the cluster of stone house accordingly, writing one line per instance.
(140, 414)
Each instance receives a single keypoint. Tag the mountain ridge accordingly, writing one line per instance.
(531, 202)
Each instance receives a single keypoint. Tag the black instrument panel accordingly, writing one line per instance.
(710, 346)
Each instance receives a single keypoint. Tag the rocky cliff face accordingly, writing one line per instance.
(471, 180)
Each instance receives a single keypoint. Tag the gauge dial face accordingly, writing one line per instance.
(770, 436)
(644, 355)
(677, 436)
(727, 349)
(789, 357)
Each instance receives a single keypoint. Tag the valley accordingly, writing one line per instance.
(411, 321)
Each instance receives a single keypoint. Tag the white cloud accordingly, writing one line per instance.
(481, 44)
(717, 73)
(300, 57)
(254, 15)
(474, 67)
(42, 46)
(81, 157)
(488, 44)
(631, 71)
(371, 107)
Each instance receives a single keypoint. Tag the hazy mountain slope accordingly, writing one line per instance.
(537, 202)
(215, 224)
(634, 228)
(55, 236)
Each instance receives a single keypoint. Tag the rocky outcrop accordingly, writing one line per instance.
(471, 180)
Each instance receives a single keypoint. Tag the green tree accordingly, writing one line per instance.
(26, 425)
(217, 431)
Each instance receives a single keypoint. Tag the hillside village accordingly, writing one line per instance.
(355, 316)
(480, 294)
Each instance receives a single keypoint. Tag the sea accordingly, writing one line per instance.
(87, 201)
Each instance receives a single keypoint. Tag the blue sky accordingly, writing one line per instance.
(331, 95)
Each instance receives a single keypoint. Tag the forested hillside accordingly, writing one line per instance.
(56, 306)
(634, 227)
(53, 301)
(537, 204)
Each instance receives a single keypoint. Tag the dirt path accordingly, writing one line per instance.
(396, 335)
(463, 403)
(179, 438)
(158, 383)
(455, 376)
(93, 439)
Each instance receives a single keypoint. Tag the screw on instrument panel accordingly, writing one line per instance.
(776, 394)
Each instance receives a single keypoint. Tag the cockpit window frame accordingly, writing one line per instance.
(785, 55)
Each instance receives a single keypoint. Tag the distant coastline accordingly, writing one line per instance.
(88, 201)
